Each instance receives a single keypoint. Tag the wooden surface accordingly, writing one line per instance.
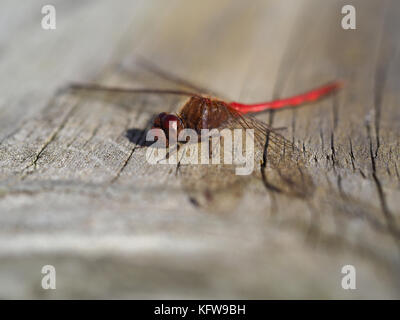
(77, 193)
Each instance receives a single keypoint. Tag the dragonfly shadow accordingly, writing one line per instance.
(138, 136)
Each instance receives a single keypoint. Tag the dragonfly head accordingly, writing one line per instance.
(168, 122)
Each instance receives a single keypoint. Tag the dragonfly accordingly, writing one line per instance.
(206, 112)
(282, 163)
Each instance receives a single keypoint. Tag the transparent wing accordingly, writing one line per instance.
(127, 98)
(277, 146)
(283, 165)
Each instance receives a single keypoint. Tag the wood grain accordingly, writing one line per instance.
(77, 193)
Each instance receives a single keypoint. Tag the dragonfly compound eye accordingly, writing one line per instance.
(157, 123)
(170, 121)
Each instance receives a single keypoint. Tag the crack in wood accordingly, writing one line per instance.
(140, 137)
(352, 158)
(391, 223)
(50, 139)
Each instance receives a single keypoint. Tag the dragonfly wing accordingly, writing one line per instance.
(156, 100)
(283, 165)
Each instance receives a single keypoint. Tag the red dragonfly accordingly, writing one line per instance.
(287, 174)
(205, 112)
